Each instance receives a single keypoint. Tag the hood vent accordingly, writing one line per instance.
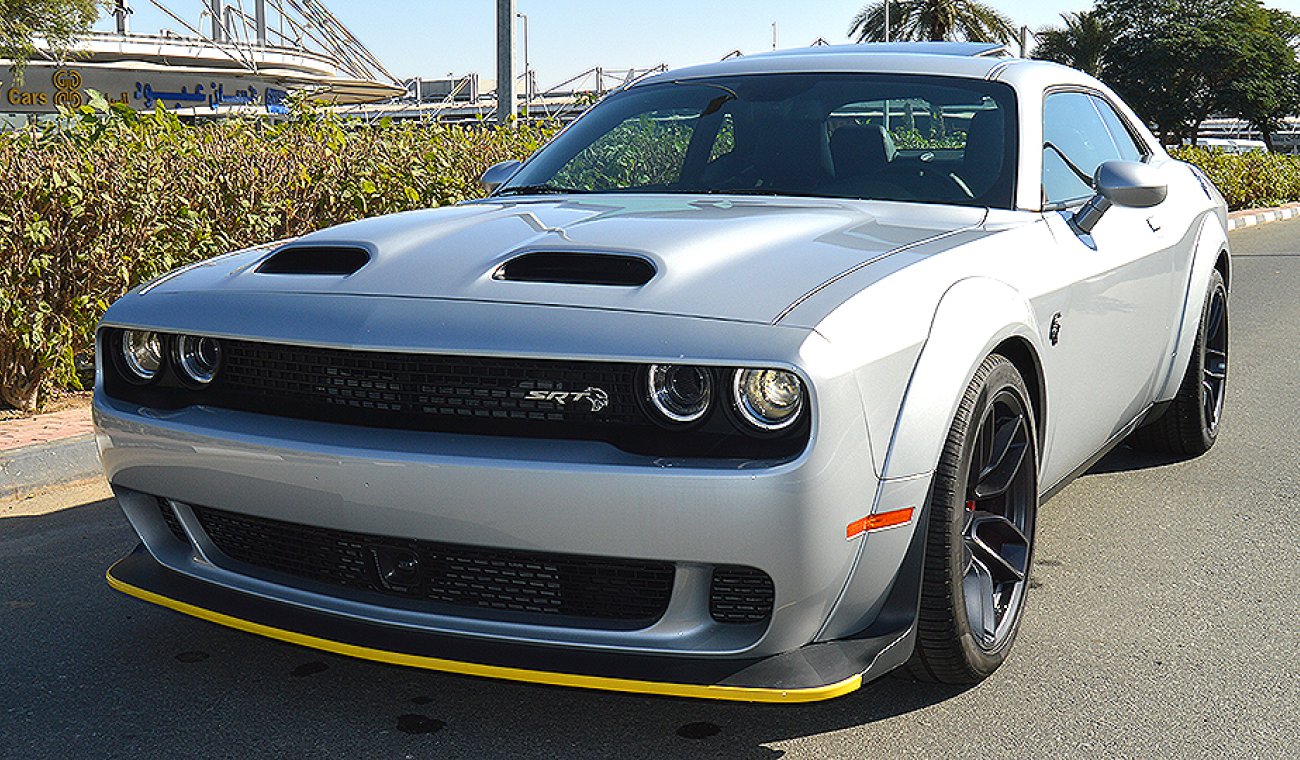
(334, 260)
(578, 269)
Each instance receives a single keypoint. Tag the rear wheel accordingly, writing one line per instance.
(982, 506)
(1190, 426)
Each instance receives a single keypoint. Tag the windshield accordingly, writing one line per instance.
(886, 137)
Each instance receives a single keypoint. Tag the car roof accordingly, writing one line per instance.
(963, 59)
(963, 49)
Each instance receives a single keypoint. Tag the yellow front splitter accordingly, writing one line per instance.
(604, 683)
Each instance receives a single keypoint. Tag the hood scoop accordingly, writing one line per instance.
(328, 260)
(619, 270)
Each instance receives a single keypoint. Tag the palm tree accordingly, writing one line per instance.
(1082, 44)
(936, 20)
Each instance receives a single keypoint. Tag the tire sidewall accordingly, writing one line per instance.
(1003, 376)
(1209, 435)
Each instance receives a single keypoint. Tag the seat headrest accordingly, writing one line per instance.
(985, 145)
(861, 149)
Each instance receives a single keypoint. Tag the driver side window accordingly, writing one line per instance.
(1076, 141)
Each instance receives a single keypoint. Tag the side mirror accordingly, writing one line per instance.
(1121, 183)
(497, 174)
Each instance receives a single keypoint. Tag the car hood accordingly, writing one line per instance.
(735, 258)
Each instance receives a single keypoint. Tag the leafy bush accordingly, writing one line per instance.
(109, 198)
(1248, 180)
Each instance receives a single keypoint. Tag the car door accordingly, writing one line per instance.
(1115, 331)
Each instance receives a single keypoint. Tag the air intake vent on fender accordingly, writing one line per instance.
(577, 269)
(336, 260)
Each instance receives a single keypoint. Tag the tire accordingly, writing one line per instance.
(972, 595)
(1190, 425)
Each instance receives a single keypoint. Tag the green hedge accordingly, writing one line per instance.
(1248, 180)
(90, 208)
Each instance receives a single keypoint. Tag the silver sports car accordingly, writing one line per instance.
(747, 386)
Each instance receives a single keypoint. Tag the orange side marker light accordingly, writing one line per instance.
(879, 522)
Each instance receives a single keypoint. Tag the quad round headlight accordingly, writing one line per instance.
(142, 353)
(198, 358)
(768, 399)
(681, 393)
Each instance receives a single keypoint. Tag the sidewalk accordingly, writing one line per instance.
(46, 450)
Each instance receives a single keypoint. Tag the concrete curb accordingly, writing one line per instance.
(32, 468)
(1254, 216)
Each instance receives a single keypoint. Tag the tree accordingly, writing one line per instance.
(1179, 61)
(935, 20)
(1266, 89)
(58, 22)
(1082, 44)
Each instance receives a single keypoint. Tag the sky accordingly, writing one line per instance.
(437, 38)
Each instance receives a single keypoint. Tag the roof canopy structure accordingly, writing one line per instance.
(224, 55)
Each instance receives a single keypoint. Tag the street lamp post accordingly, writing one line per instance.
(528, 69)
(505, 61)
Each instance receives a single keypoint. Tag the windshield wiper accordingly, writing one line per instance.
(543, 189)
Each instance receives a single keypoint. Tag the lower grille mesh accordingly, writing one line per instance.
(613, 590)
(741, 595)
(173, 522)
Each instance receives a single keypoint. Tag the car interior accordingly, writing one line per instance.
(920, 139)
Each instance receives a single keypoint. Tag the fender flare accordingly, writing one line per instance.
(1211, 241)
(974, 316)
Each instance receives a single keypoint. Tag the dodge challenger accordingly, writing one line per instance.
(748, 385)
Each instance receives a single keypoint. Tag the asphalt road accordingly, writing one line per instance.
(1163, 623)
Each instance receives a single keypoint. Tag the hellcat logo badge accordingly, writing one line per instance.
(597, 397)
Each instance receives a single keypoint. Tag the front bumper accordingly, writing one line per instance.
(813, 673)
(842, 609)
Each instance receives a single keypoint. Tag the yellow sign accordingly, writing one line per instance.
(67, 86)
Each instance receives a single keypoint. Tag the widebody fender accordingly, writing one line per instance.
(974, 316)
(1211, 242)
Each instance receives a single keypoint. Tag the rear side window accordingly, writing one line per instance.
(1077, 139)
(1124, 142)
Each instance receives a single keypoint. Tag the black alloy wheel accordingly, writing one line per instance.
(1214, 364)
(1000, 511)
(1190, 424)
(982, 509)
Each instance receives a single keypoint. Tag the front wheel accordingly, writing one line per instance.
(982, 506)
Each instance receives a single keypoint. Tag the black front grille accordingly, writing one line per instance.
(431, 386)
(741, 595)
(618, 591)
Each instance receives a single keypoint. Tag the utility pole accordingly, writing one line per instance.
(259, 20)
(886, 20)
(122, 10)
(1024, 42)
(506, 107)
(214, 8)
(774, 35)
